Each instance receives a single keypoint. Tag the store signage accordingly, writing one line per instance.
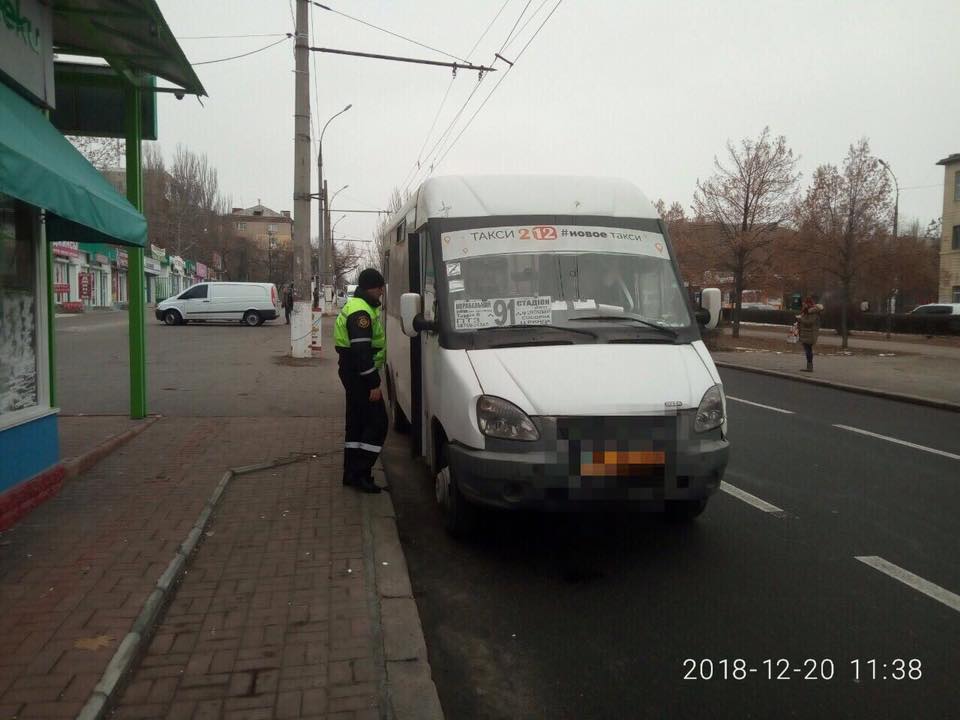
(26, 47)
(65, 249)
(61, 288)
(86, 286)
(176, 263)
(158, 252)
(217, 261)
(151, 266)
(102, 259)
(122, 259)
(201, 270)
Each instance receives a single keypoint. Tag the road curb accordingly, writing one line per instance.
(80, 464)
(408, 687)
(99, 703)
(858, 389)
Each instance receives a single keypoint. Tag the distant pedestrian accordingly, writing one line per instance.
(808, 322)
(288, 301)
(360, 341)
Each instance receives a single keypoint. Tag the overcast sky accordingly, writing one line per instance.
(649, 91)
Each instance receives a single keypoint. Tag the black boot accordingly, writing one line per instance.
(809, 367)
(367, 485)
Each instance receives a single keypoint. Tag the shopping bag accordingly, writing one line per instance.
(794, 335)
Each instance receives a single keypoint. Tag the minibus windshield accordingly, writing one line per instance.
(554, 288)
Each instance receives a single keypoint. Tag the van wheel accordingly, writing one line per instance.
(172, 317)
(684, 511)
(459, 516)
(252, 318)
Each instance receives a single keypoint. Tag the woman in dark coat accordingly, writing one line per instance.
(808, 322)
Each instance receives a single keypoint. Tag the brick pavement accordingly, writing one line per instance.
(272, 617)
(82, 433)
(75, 573)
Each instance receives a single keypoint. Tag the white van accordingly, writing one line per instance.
(250, 303)
(542, 351)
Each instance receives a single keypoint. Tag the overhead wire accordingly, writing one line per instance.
(388, 32)
(446, 133)
(227, 37)
(523, 27)
(499, 82)
(417, 164)
(519, 18)
(246, 54)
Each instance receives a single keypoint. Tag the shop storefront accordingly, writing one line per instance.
(177, 281)
(96, 286)
(51, 198)
(66, 276)
(190, 272)
(151, 271)
(119, 263)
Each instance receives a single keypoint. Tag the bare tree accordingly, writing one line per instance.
(747, 200)
(378, 252)
(843, 218)
(103, 153)
(194, 199)
(347, 258)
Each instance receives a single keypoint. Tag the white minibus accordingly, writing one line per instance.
(543, 353)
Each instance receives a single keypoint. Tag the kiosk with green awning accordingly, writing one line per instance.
(49, 192)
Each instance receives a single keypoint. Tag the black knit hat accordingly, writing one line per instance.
(369, 279)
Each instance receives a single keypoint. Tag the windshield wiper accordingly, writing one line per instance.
(578, 331)
(610, 318)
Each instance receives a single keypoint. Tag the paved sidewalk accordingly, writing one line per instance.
(930, 377)
(944, 347)
(272, 618)
(82, 433)
(274, 615)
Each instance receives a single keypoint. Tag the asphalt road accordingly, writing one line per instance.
(558, 617)
(192, 370)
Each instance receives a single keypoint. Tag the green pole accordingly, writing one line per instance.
(51, 328)
(135, 291)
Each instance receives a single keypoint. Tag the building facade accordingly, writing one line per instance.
(263, 226)
(950, 242)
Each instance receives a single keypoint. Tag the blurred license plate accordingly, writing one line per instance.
(613, 463)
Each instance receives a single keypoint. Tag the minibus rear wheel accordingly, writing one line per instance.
(459, 516)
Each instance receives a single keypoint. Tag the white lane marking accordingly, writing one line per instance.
(748, 498)
(755, 404)
(944, 453)
(951, 600)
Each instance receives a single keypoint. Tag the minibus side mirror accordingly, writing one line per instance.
(710, 300)
(410, 310)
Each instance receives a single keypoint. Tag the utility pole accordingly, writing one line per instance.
(301, 156)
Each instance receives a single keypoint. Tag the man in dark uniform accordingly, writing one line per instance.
(360, 342)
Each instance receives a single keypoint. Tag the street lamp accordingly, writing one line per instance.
(896, 213)
(333, 228)
(322, 193)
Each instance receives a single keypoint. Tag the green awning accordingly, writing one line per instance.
(39, 166)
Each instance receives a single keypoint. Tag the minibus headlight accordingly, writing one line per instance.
(500, 418)
(710, 412)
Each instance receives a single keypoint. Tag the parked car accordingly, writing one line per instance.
(937, 309)
(250, 303)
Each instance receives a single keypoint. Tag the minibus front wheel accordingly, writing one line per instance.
(459, 516)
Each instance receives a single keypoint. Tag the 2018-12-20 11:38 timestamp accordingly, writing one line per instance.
(858, 669)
